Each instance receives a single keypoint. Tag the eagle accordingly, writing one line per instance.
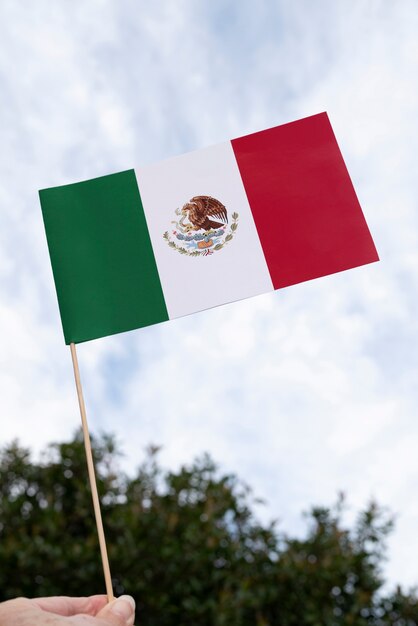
(200, 209)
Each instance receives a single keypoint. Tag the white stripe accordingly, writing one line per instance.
(239, 269)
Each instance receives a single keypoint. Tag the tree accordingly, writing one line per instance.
(187, 545)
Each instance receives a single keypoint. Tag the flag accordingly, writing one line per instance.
(206, 228)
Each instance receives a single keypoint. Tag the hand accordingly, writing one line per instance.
(63, 611)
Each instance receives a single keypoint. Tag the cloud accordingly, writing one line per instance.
(302, 392)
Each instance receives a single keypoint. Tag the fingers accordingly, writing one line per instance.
(62, 605)
(78, 611)
(12, 608)
(120, 612)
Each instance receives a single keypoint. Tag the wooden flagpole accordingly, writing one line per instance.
(92, 477)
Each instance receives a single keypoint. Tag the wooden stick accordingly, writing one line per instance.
(92, 477)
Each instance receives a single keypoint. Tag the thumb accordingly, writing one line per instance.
(120, 612)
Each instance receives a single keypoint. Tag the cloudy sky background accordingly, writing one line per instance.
(304, 392)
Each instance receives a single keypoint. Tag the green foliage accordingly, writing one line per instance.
(187, 546)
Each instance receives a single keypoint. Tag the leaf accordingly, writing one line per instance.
(228, 238)
(234, 227)
(234, 216)
(228, 568)
(219, 246)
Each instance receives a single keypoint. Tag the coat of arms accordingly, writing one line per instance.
(202, 227)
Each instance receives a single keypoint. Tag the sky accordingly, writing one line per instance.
(303, 393)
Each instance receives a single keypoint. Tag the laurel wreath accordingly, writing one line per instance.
(232, 230)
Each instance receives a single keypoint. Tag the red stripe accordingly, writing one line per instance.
(308, 218)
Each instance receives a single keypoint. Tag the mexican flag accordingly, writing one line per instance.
(228, 222)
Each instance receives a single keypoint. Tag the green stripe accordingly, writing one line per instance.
(104, 267)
